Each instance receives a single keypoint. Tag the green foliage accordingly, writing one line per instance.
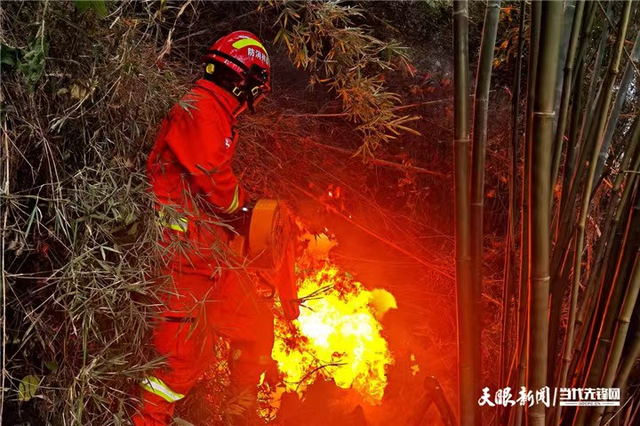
(98, 6)
(437, 11)
(51, 365)
(8, 55)
(325, 39)
(27, 388)
(32, 61)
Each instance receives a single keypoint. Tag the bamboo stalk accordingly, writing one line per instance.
(604, 242)
(607, 88)
(620, 335)
(627, 77)
(510, 254)
(599, 58)
(592, 144)
(539, 193)
(585, 311)
(566, 230)
(585, 143)
(572, 143)
(616, 245)
(606, 92)
(629, 361)
(595, 278)
(598, 359)
(559, 285)
(568, 17)
(481, 110)
(468, 377)
(585, 34)
(6, 177)
(632, 151)
(523, 341)
(616, 351)
(606, 276)
(566, 91)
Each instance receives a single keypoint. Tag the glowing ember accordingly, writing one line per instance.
(337, 336)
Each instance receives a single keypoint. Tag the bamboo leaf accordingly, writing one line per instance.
(27, 388)
(51, 365)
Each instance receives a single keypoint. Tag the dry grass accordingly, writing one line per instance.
(79, 110)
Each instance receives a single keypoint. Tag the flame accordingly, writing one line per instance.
(337, 336)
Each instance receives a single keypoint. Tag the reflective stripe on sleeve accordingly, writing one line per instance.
(177, 224)
(236, 200)
(158, 387)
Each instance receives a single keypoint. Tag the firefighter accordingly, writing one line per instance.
(190, 173)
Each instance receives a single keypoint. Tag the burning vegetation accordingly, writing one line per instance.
(337, 337)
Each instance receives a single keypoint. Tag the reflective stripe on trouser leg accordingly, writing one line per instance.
(160, 388)
(235, 203)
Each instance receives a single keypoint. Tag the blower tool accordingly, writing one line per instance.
(266, 243)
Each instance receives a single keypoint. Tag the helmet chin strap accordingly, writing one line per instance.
(244, 101)
(245, 95)
(239, 109)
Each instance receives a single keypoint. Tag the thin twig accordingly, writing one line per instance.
(345, 114)
(378, 237)
(376, 160)
(4, 273)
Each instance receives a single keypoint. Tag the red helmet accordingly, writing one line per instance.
(243, 53)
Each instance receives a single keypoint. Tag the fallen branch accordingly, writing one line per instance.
(377, 161)
(345, 114)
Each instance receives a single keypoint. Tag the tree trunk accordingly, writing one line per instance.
(606, 92)
(586, 141)
(523, 341)
(557, 291)
(603, 249)
(628, 361)
(481, 109)
(539, 193)
(568, 16)
(468, 376)
(566, 92)
(507, 362)
(620, 336)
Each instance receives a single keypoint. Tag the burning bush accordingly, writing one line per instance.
(337, 337)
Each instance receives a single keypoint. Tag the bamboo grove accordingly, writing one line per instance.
(570, 316)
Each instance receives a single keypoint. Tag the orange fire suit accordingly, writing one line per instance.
(190, 173)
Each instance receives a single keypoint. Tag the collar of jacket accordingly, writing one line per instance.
(228, 102)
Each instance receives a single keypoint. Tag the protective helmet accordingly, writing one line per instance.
(242, 54)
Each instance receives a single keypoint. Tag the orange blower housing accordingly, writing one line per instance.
(267, 243)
